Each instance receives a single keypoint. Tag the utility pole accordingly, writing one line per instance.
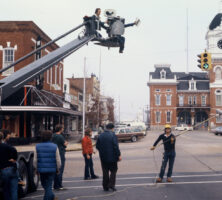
(100, 61)
(187, 43)
(119, 109)
(84, 98)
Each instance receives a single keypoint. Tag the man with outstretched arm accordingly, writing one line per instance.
(169, 141)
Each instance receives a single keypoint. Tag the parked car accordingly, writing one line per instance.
(217, 130)
(183, 127)
(139, 129)
(124, 134)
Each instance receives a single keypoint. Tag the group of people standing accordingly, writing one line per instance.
(49, 160)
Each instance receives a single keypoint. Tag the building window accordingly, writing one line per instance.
(203, 100)
(168, 100)
(158, 117)
(80, 98)
(8, 58)
(60, 76)
(163, 74)
(181, 100)
(47, 76)
(157, 100)
(56, 68)
(194, 100)
(192, 85)
(189, 100)
(168, 90)
(218, 73)
(157, 90)
(219, 119)
(51, 75)
(218, 98)
(168, 117)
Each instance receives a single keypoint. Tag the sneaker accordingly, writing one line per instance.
(95, 177)
(120, 51)
(169, 179)
(159, 180)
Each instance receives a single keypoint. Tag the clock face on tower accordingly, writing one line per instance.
(219, 44)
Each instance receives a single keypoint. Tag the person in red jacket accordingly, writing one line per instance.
(87, 151)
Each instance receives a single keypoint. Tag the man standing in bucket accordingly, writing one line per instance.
(169, 141)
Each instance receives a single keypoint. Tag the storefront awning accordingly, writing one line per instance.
(39, 109)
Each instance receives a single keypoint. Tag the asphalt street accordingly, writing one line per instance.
(197, 172)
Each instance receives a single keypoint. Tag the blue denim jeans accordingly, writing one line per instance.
(167, 156)
(58, 177)
(88, 167)
(47, 181)
(9, 177)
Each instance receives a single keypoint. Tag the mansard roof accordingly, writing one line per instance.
(179, 75)
(201, 78)
(156, 74)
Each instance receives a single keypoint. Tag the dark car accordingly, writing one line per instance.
(124, 134)
(217, 130)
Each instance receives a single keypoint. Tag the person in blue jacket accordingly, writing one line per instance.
(108, 147)
(47, 162)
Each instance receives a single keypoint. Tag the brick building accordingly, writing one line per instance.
(177, 97)
(40, 104)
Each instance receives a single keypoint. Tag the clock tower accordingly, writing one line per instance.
(214, 46)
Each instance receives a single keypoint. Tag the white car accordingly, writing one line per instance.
(94, 134)
(184, 127)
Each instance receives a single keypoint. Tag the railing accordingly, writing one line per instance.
(193, 105)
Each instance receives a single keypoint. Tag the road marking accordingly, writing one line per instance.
(144, 184)
(146, 177)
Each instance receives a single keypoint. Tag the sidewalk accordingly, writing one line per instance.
(74, 145)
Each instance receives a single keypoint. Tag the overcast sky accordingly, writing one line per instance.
(161, 38)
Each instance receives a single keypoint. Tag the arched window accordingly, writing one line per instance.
(218, 98)
(163, 74)
(218, 73)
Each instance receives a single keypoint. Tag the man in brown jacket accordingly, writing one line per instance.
(87, 150)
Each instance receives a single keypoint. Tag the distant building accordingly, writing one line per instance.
(92, 97)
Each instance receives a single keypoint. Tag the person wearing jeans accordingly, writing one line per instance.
(8, 170)
(169, 155)
(87, 150)
(47, 162)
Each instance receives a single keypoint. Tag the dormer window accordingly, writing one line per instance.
(163, 74)
(192, 85)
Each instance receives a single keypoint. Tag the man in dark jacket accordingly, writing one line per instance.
(108, 147)
(47, 162)
(8, 170)
(169, 141)
(60, 141)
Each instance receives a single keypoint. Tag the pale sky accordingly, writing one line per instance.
(161, 38)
